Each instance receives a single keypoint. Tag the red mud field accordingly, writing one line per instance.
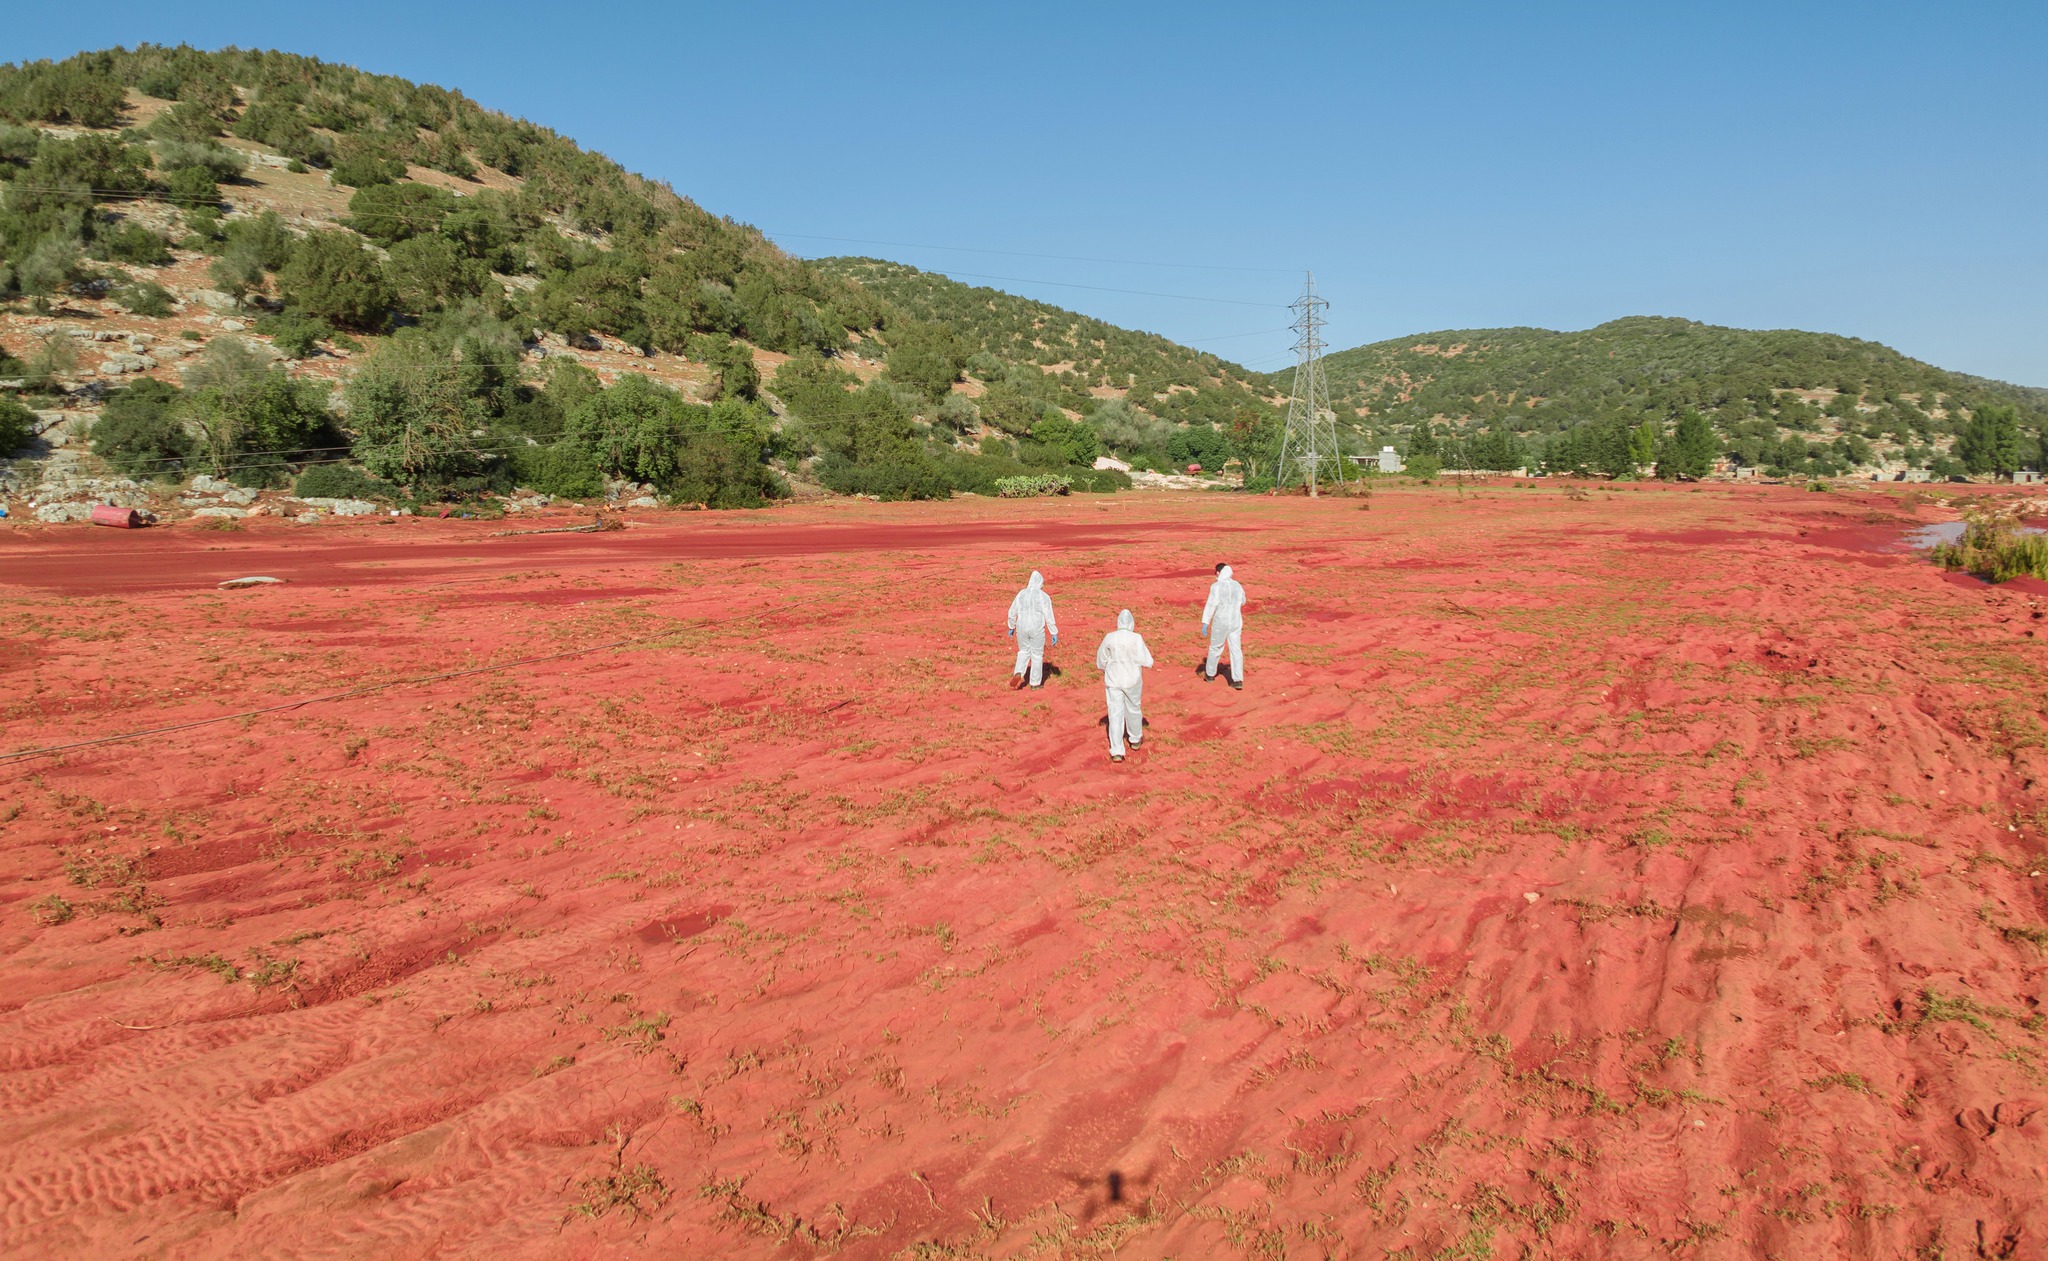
(1641, 874)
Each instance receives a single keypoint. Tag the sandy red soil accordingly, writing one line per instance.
(1647, 874)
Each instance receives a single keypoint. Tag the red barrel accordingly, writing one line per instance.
(119, 518)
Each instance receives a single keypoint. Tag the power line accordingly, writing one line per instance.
(1065, 258)
(1143, 293)
(1257, 332)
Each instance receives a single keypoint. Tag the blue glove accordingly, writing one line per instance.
(1055, 640)
(1013, 634)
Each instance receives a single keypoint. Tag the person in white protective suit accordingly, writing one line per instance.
(1123, 659)
(1031, 620)
(1223, 623)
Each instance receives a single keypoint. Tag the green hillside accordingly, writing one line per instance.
(422, 286)
(1793, 402)
(1080, 354)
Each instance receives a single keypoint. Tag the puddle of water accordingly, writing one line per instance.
(1948, 532)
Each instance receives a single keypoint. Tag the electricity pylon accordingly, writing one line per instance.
(1311, 436)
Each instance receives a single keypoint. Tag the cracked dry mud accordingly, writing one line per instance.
(1639, 875)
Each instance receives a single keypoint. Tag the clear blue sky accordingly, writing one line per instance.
(1874, 169)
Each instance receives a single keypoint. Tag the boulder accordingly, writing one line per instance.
(116, 364)
(209, 485)
(60, 514)
(220, 512)
(240, 496)
(212, 298)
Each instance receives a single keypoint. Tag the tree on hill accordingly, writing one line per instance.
(927, 357)
(412, 417)
(250, 415)
(333, 278)
(1991, 442)
(1688, 454)
(1642, 445)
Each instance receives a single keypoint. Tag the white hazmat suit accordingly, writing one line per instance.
(1123, 659)
(1031, 620)
(1223, 620)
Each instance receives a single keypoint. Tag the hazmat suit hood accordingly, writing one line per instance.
(1037, 581)
(1223, 573)
(1124, 621)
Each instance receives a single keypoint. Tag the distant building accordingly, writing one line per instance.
(2026, 477)
(1390, 460)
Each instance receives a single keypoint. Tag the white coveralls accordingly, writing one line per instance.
(1031, 618)
(1122, 659)
(1223, 617)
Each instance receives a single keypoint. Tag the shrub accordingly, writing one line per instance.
(54, 356)
(1424, 467)
(563, 470)
(238, 272)
(957, 412)
(601, 295)
(139, 431)
(412, 417)
(47, 270)
(1033, 485)
(192, 188)
(645, 431)
(903, 473)
(732, 361)
(333, 278)
(1198, 444)
(241, 405)
(132, 243)
(365, 171)
(265, 237)
(1103, 481)
(341, 481)
(680, 303)
(1127, 431)
(187, 121)
(17, 426)
(220, 163)
(926, 357)
(278, 124)
(429, 274)
(295, 333)
(1008, 407)
(1073, 442)
(390, 213)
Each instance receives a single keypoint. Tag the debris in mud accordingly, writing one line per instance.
(597, 525)
(237, 583)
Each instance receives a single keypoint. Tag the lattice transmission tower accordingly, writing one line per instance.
(1310, 441)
